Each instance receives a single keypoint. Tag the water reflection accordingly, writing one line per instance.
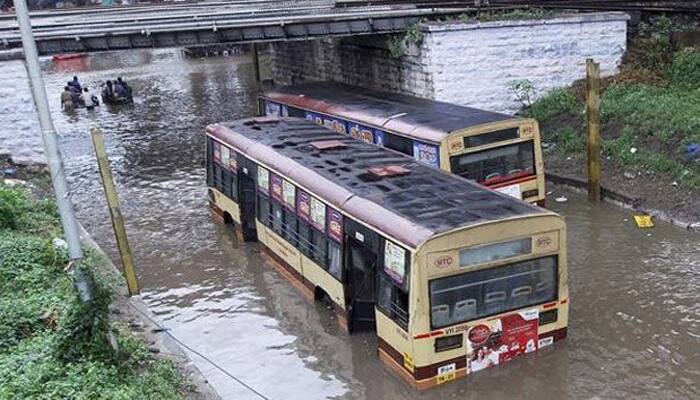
(635, 316)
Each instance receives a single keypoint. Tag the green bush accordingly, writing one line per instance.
(12, 207)
(652, 49)
(555, 102)
(20, 213)
(52, 344)
(685, 71)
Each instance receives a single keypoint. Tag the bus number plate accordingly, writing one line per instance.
(446, 373)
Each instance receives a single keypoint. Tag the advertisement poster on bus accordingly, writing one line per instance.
(272, 108)
(395, 262)
(217, 152)
(303, 205)
(500, 340)
(334, 124)
(379, 137)
(361, 132)
(276, 188)
(225, 156)
(318, 214)
(335, 225)
(288, 192)
(263, 180)
(426, 153)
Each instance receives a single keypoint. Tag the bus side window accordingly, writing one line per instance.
(335, 259)
(304, 237)
(264, 210)
(277, 221)
(318, 247)
(392, 300)
(290, 227)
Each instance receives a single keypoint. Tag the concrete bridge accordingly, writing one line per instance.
(189, 24)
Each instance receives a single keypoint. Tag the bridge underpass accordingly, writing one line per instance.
(191, 24)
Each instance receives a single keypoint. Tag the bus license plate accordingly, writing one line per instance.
(512, 191)
(446, 373)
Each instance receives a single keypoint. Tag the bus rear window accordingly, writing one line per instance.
(473, 295)
(491, 137)
(499, 164)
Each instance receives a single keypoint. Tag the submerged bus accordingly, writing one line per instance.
(496, 150)
(453, 277)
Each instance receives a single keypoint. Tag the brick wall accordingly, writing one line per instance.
(464, 63)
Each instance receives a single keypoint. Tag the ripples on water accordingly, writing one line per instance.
(635, 316)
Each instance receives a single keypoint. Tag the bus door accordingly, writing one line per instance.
(361, 262)
(247, 194)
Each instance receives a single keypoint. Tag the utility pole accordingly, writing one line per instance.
(48, 132)
(115, 212)
(593, 116)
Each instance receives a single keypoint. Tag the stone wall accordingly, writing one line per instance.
(362, 61)
(469, 63)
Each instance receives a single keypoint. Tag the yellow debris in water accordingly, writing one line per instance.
(644, 221)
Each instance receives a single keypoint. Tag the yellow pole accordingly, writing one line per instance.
(114, 211)
(593, 116)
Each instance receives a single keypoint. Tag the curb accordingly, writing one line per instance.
(164, 343)
(621, 199)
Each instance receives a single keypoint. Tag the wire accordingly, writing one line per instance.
(215, 365)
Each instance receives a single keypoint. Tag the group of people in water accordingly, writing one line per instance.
(74, 95)
(116, 92)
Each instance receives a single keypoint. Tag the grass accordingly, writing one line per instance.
(653, 105)
(52, 344)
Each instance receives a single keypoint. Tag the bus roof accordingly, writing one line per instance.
(421, 203)
(406, 115)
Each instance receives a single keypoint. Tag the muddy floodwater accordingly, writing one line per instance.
(635, 313)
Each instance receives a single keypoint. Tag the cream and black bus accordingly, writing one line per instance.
(496, 150)
(453, 277)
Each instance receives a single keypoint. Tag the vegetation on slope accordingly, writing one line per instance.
(52, 344)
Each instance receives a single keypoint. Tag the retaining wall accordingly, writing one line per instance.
(470, 63)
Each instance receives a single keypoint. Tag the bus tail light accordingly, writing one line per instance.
(448, 342)
(548, 317)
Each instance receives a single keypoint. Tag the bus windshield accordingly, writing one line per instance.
(472, 295)
(495, 165)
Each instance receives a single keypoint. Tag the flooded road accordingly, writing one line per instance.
(635, 316)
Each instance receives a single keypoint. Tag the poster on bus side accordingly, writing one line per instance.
(318, 214)
(329, 122)
(335, 225)
(395, 262)
(288, 193)
(500, 340)
(303, 205)
(217, 152)
(263, 180)
(361, 132)
(426, 153)
(272, 108)
(379, 137)
(276, 188)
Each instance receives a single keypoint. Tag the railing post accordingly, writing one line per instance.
(593, 117)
